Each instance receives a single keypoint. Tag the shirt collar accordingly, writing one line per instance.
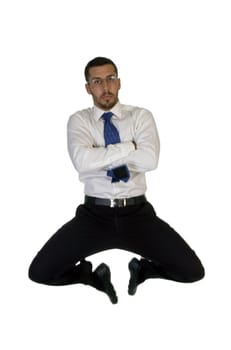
(116, 110)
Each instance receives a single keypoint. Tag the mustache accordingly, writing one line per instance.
(107, 94)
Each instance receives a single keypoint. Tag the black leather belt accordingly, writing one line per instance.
(117, 202)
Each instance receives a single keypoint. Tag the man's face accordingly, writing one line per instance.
(103, 85)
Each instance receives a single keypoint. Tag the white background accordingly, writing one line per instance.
(174, 59)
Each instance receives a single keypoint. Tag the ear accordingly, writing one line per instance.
(119, 84)
(87, 86)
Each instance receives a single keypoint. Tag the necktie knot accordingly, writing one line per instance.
(107, 116)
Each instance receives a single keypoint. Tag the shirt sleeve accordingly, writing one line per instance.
(146, 155)
(85, 157)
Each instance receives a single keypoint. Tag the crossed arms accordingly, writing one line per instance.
(141, 153)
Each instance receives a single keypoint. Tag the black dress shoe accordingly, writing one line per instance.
(134, 268)
(102, 279)
(140, 270)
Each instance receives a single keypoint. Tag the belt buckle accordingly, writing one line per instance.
(122, 202)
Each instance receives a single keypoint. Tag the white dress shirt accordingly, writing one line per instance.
(139, 150)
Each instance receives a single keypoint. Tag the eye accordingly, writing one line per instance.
(97, 81)
(111, 78)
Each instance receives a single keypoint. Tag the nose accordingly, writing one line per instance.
(105, 85)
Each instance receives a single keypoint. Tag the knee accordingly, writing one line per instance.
(195, 273)
(36, 273)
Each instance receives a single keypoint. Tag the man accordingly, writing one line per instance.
(112, 146)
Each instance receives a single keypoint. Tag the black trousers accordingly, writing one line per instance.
(96, 228)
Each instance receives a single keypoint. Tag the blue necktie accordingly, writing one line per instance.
(111, 136)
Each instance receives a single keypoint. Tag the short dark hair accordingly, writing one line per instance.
(98, 61)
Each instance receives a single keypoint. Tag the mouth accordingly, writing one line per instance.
(107, 96)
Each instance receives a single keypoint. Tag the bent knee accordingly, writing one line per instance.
(36, 273)
(195, 273)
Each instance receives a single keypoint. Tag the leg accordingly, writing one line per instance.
(175, 260)
(166, 254)
(55, 264)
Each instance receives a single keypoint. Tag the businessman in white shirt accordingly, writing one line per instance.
(111, 146)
